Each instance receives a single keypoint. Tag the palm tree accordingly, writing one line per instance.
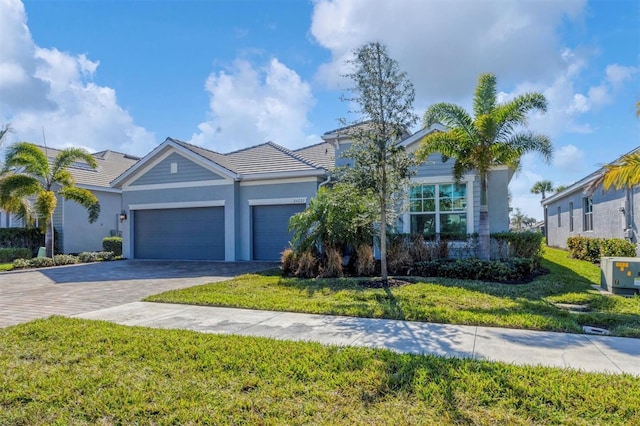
(624, 173)
(33, 180)
(492, 138)
(542, 187)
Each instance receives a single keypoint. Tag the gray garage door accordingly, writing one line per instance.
(194, 234)
(270, 235)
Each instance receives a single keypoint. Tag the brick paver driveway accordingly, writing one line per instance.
(70, 290)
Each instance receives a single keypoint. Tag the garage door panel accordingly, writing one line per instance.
(270, 229)
(193, 234)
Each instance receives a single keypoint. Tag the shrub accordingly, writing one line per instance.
(289, 262)
(365, 264)
(64, 259)
(30, 238)
(418, 249)
(333, 264)
(592, 249)
(21, 263)
(398, 258)
(10, 254)
(526, 245)
(476, 269)
(113, 244)
(617, 247)
(95, 256)
(307, 265)
(41, 262)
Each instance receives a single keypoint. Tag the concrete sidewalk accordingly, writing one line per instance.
(578, 351)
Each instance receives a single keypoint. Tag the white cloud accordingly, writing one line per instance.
(618, 74)
(251, 105)
(445, 45)
(569, 159)
(46, 88)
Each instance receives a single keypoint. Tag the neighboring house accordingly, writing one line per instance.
(70, 219)
(586, 209)
(186, 202)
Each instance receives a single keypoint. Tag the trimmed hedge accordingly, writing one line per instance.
(10, 254)
(521, 245)
(592, 249)
(113, 244)
(30, 238)
(516, 269)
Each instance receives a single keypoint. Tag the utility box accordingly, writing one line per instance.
(620, 275)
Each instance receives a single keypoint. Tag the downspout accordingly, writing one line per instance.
(325, 182)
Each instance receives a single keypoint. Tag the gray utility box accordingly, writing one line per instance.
(620, 275)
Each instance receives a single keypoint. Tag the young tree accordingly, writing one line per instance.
(30, 175)
(542, 187)
(520, 219)
(385, 97)
(492, 138)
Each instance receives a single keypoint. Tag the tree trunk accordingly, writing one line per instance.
(48, 238)
(484, 239)
(383, 241)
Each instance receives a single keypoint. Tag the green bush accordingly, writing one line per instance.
(30, 238)
(41, 262)
(21, 263)
(10, 254)
(522, 245)
(65, 259)
(476, 269)
(95, 256)
(113, 244)
(592, 249)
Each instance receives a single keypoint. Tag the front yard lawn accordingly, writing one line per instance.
(528, 306)
(72, 372)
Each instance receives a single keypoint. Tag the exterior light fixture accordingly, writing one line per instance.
(123, 216)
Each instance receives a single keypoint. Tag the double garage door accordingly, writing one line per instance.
(198, 233)
(190, 234)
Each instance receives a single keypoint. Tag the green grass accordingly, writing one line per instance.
(527, 306)
(76, 372)
(6, 266)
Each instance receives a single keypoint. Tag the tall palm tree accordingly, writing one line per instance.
(494, 137)
(542, 187)
(31, 184)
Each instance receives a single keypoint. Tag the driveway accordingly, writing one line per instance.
(71, 290)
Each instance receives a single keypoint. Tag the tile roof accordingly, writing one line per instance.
(261, 159)
(323, 154)
(111, 164)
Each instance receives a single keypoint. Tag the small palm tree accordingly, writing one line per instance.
(542, 187)
(492, 138)
(31, 181)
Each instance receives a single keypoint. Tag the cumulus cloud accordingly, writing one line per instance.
(570, 159)
(50, 89)
(444, 45)
(251, 105)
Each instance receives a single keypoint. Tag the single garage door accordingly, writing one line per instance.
(190, 234)
(270, 229)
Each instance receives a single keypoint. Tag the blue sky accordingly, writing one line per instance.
(124, 75)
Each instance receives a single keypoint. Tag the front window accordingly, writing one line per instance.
(438, 209)
(587, 208)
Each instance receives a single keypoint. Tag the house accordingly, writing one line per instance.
(182, 201)
(186, 202)
(436, 204)
(75, 233)
(586, 209)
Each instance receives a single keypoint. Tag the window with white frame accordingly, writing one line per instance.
(438, 209)
(587, 209)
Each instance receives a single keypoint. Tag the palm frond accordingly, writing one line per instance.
(69, 156)
(64, 178)
(83, 197)
(448, 144)
(450, 115)
(484, 100)
(29, 157)
(18, 186)
(624, 173)
(513, 114)
(518, 144)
